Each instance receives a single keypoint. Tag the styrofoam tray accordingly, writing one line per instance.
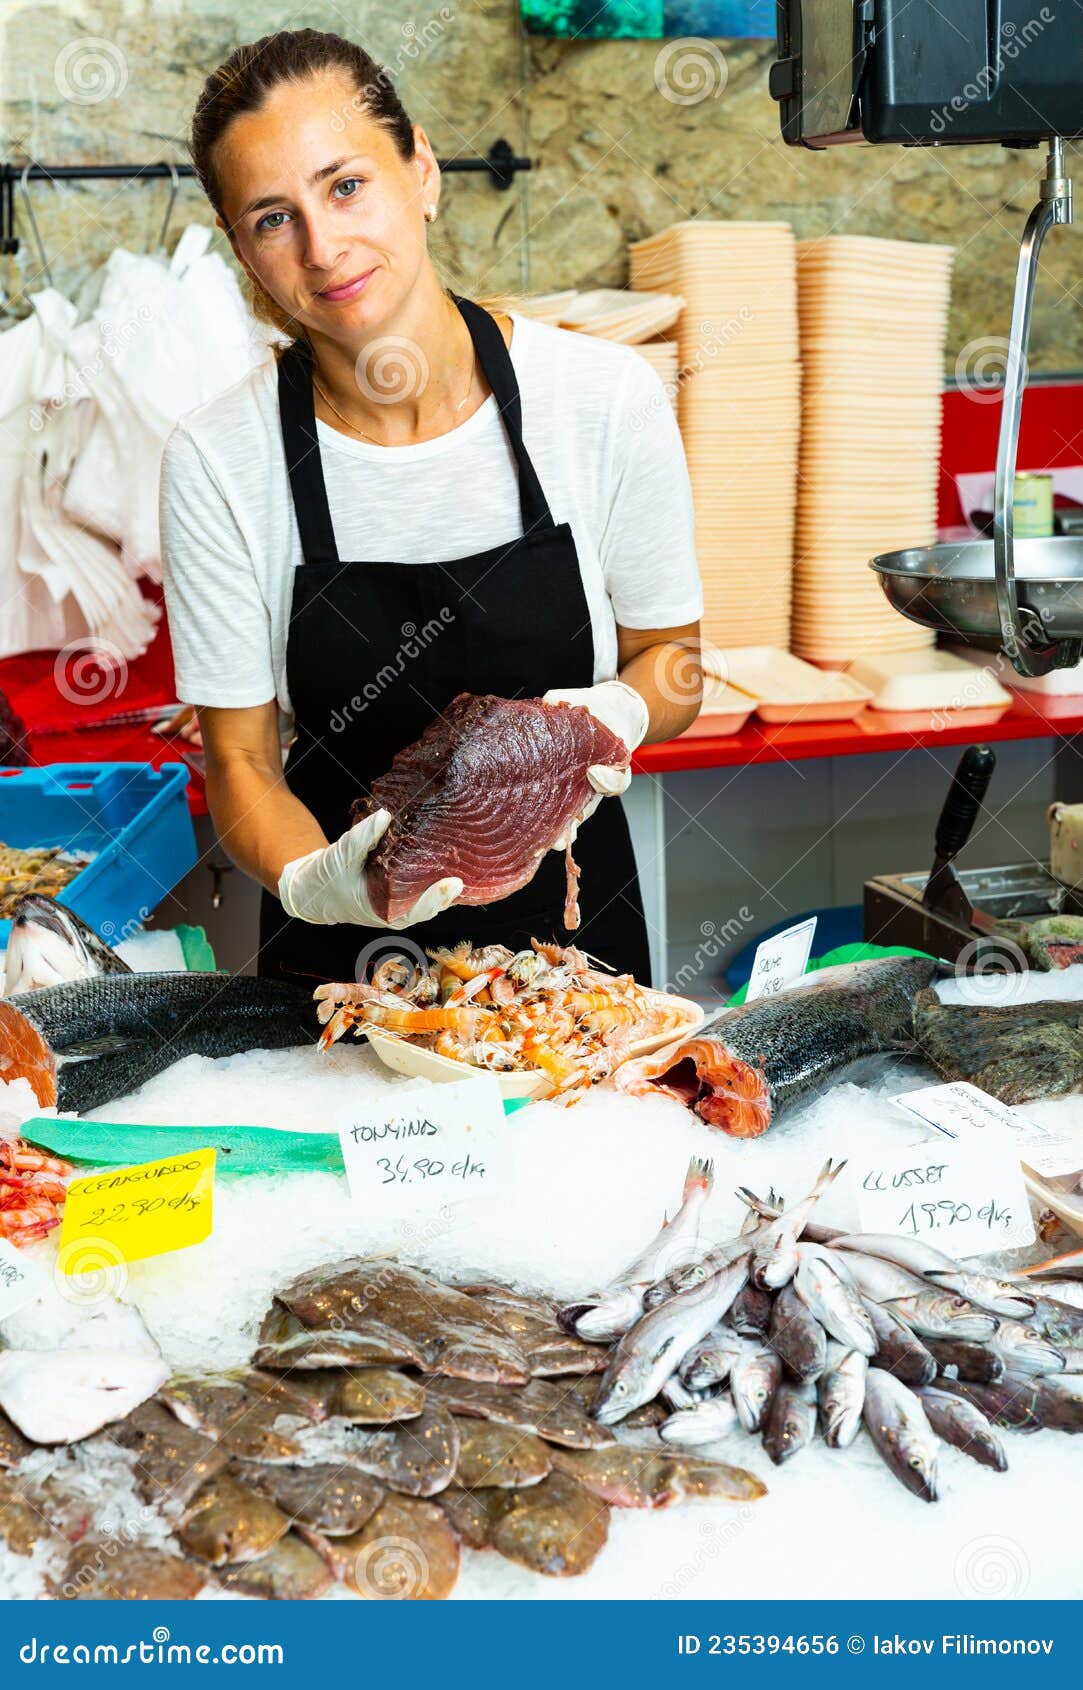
(417, 1063)
(787, 689)
(724, 711)
(926, 680)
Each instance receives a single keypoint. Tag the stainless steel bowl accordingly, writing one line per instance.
(952, 587)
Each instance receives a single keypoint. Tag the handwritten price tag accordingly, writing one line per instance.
(781, 960)
(965, 1112)
(20, 1280)
(434, 1145)
(965, 1199)
(128, 1214)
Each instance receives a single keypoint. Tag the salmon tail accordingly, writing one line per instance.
(24, 1054)
(700, 1177)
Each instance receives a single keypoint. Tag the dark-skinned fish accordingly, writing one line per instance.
(898, 1351)
(963, 1425)
(982, 1363)
(227, 1521)
(790, 1423)
(797, 1336)
(630, 1476)
(898, 1426)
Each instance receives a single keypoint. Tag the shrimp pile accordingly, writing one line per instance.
(506, 1011)
(32, 1192)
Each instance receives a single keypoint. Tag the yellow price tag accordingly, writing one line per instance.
(126, 1214)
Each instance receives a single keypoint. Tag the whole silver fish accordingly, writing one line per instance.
(913, 1255)
(834, 1302)
(696, 1273)
(754, 1379)
(791, 1420)
(939, 1314)
(879, 1280)
(983, 1363)
(898, 1426)
(898, 1351)
(999, 1296)
(841, 1393)
(774, 1254)
(1060, 1401)
(963, 1425)
(797, 1336)
(656, 1345)
(677, 1395)
(702, 1424)
(620, 1304)
(710, 1361)
(1025, 1351)
(1061, 1323)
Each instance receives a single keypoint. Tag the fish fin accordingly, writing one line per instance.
(828, 1174)
(700, 1176)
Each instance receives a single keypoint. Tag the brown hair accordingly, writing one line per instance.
(244, 81)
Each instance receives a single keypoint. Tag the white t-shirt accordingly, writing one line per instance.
(598, 426)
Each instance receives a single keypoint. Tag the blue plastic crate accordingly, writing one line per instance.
(133, 817)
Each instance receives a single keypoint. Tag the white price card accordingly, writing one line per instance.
(781, 960)
(965, 1199)
(425, 1146)
(20, 1280)
(965, 1112)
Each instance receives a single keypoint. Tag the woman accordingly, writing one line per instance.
(419, 499)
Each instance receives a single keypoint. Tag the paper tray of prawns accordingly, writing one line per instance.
(547, 1022)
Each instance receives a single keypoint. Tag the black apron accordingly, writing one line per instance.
(377, 649)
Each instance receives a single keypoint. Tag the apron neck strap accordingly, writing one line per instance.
(303, 462)
(495, 360)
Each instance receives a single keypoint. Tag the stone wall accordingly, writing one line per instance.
(629, 136)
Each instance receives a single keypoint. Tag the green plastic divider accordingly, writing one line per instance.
(843, 954)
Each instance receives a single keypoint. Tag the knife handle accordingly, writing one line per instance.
(964, 799)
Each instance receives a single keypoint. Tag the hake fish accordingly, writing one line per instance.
(939, 1314)
(791, 1420)
(748, 1065)
(964, 1425)
(834, 1302)
(796, 1336)
(615, 1309)
(704, 1423)
(754, 1379)
(841, 1394)
(774, 1244)
(998, 1296)
(711, 1360)
(898, 1351)
(656, 1345)
(898, 1426)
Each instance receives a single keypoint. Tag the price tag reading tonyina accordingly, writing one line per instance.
(430, 1145)
(781, 960)
(127, 1214)
(20, 1279)
(965, 1112)
(966, 1199)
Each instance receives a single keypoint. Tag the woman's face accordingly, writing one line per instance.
(321, 208)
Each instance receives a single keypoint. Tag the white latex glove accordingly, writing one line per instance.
(624, 712)
(328, 885)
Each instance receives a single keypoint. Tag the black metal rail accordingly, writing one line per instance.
(500, 164)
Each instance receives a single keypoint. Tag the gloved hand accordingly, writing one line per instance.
(328, 885)
(624, 712)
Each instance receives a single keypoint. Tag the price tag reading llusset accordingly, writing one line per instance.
(428, 1146)
(781, 960)
(966, 1199)
(131, 1213)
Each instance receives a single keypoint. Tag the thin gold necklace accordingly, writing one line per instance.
(329, 402)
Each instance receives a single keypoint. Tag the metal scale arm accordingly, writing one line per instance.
(1024, 637)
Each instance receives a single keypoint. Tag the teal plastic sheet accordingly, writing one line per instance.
(241, 1150)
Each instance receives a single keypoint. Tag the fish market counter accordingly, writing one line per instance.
(572, 1196)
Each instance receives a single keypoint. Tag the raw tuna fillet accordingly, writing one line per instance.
(490, 787)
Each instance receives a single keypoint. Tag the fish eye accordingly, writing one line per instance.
(916, 1462)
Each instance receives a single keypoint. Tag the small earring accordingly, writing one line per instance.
(430, 214)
